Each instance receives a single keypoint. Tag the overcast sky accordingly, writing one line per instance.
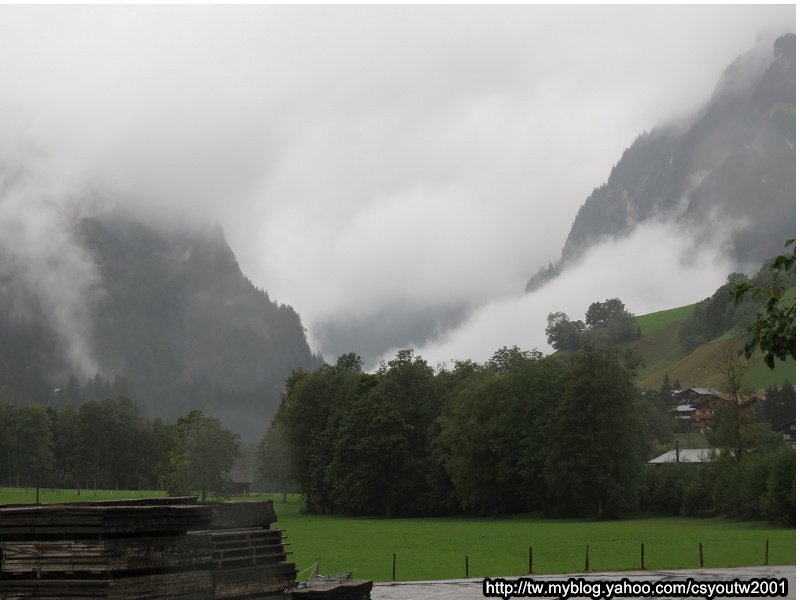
(395, 173)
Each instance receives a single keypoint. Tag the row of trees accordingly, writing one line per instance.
(109, 444)
(566, 435)
(759, 486)
(521, 432)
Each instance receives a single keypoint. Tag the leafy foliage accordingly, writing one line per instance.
(480, 438)
(201, 457)
(607, 323)
(773, 330)
(595, 451)
(715, 315)
(563, 334)
(760, 486)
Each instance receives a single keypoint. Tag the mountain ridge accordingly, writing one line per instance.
(704, 173)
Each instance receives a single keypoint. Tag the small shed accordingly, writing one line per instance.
(241, 477)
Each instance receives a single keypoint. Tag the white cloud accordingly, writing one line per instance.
(358, 156)
(653, 269)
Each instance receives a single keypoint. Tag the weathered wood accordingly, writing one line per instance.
(245, 547)
(251, 581)
(186, 585)
(105, 556)
(75, 521)
(237, 515)
(344, 590)
(146, 548)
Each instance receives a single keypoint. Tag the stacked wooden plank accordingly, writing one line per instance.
(161, 548)
(76, 521)
(104, 556)
(248, 558)
(173, 586)
(247, 547)
(125, 550)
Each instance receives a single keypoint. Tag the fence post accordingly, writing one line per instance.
(394, 566)
(530, 560)
(466, 566)
(586, 564)
(642, 557)
(766, 553)
(701, 555)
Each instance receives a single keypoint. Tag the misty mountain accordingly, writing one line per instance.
(172, 313)
(727, 174)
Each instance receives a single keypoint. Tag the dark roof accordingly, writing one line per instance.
(700, 391)
(241, 474)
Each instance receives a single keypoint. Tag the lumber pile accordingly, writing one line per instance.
(75, 521)
(172, 548)
(104, 556)
(248, 558)
(172, 586)
(237, 515)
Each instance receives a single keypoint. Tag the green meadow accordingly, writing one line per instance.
(50, 496)
(435, 548)
(662, 352)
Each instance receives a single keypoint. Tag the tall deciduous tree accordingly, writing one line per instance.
(480, 445)
(202, 457)
(563, 334)
(594, 451)
(610, 321)
(372, 457)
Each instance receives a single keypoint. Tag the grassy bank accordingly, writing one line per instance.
(434, 548)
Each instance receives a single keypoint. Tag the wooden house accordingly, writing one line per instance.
(241, 477)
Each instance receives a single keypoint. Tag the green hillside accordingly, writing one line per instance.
(661, 350)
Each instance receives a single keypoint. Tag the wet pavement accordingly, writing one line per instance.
(472, 589)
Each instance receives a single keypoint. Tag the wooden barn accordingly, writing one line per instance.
(241, 477)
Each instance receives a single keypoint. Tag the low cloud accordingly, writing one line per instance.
(44, 270)
(404, 163)
(655, 268)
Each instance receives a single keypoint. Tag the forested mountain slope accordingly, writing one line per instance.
(727, 173)
(172, 313)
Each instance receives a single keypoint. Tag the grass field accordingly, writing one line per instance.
(49, 496)
(661, 349)
(434, 548)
